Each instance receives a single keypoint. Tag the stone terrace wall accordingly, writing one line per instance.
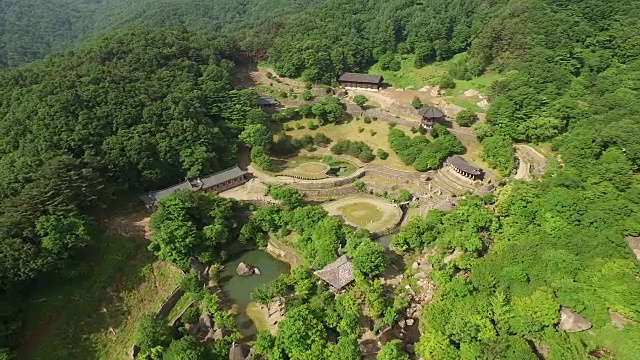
(171, 301)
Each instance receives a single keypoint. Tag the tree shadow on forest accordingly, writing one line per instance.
(242, 79)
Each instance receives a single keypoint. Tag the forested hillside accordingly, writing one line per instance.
(32, 29)
(142, 108)
(145, 108)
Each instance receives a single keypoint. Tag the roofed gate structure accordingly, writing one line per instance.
(360, 81)
(462, 167)
(217, 182)
(338, 274)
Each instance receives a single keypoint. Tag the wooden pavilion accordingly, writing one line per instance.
(430, 116)
(462, 167)
(360, 81)
(267, 102)
(338, 274)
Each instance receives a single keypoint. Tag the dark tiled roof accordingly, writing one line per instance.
(462, 164)
(220, 177)
(337, 274)
(430, 112)
(157, 195)
(361, 78)
(200, 183)
(267, 100)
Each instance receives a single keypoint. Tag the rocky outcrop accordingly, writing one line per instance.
(571, 321)
(134, 351)
(634, 244)
(618, 320)
(244, 270)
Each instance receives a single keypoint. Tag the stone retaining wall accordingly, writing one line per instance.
(280, 254)
(341, 191)
(171, 301)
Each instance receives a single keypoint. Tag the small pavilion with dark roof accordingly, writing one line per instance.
(462, 167)
(430, 116)
(217, 182)
(267, 102)
(338, 274)
(360, 81)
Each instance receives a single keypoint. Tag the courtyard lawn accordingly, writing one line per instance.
(349, 131)
(95, 314)
(361, 214)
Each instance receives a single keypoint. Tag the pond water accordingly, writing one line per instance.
(385, 240)
(238, 288)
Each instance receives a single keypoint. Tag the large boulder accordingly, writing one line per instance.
(634, 244)
(571, 321)
(244, 269)
(134, 351)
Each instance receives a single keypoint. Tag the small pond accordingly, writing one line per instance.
(385, 240)
(238, 288)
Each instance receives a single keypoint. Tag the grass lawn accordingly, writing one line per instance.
(480, 83)
(408, 75)
(467, 104)
(94, 315)
(257, 315)
(182, 304)
(349, 131)
(361, 213)
(624, 343)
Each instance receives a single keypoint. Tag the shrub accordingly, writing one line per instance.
(372, 132)
(367, 120)
(269, 75)
(366, 155)
(414, 129)
(360, 129)
(288, 128)
(308, 85)
(360, 186)
(305, 110)
(191, 315)
(416, 103)
(360, 100)
(261, 159)
(298, 125)
(466, 118)
(321, 139)
(392, 125)
(311, 125)
(306, 95)
(382, 154)
(446, 82)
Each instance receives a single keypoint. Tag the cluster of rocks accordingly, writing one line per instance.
(247, 270)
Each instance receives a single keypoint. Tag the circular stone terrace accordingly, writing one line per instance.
(368, 212)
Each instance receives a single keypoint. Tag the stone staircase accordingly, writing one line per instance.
(451, 183)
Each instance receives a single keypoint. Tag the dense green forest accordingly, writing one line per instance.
(138, 109)
(144, 108)
(32, 29)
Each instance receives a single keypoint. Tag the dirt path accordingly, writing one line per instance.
(532, 164)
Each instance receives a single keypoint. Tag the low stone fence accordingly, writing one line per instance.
(300, 177)
(340, 191)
